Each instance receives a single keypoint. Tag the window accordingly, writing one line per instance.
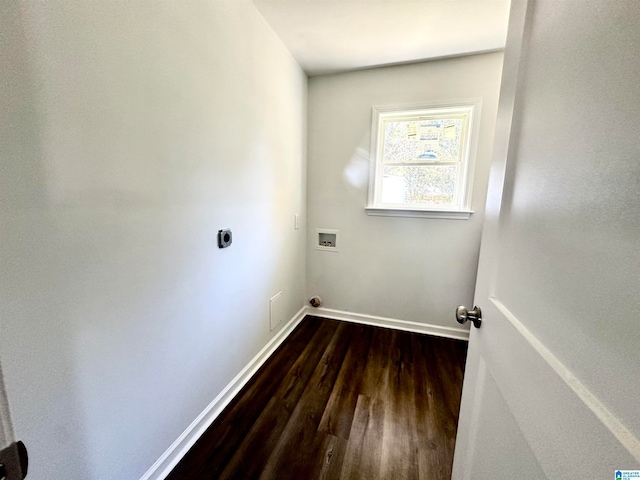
(423, 160)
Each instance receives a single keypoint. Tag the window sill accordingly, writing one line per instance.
(411, 212)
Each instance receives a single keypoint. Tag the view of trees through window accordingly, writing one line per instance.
(431, 185)
(416, 141)
(421, 161)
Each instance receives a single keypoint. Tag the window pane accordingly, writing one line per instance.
(423, 185)
(420, 140)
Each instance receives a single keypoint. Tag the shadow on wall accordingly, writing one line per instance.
(36, 344)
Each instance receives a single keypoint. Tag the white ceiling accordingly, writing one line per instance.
(328, 36)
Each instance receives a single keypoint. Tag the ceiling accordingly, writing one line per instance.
(327, 36)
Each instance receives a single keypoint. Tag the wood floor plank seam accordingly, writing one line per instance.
(299, 437)
(339, 401)
(338, 414)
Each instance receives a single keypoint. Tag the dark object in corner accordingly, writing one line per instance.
(315, 301)
(14, 462)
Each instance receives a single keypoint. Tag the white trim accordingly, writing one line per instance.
(443, 104)
(622, 433)
(394, 323)
(7, 437)
(170, 458)
(475, 417)
(473, 109)
(409, 212)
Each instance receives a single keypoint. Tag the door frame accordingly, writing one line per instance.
(7, 436)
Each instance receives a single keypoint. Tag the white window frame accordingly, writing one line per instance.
(464, 183)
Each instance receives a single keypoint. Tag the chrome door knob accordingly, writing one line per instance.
(475, 315)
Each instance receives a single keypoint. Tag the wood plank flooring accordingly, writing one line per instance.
(339, 401)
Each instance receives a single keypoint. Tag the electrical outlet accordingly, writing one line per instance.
(296, 221)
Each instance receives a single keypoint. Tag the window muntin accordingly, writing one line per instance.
(422, 158)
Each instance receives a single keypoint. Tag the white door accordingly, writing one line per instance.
(552, 383)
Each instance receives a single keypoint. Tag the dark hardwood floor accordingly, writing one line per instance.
(339, 401)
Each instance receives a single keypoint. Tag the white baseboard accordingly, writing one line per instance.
(169, 459)
(437, 330)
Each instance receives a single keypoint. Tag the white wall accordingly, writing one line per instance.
(132, 132)
(414, 269)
